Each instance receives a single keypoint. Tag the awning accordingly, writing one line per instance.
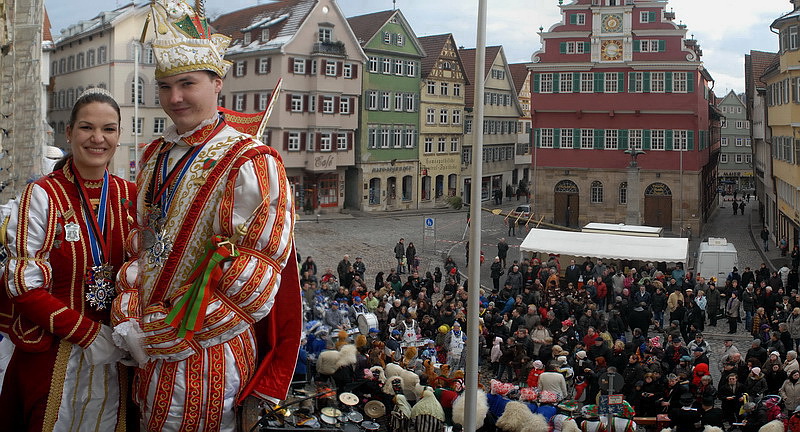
(606, 245)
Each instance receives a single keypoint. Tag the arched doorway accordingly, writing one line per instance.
(567, 203)
(658, 206)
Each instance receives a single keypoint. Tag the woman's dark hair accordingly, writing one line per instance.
(89, 96)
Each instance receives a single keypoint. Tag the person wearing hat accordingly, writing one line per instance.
(333, 318)
(699, 356)
(686, 417)
(235, 203)
(699, 342)
(756, 384)
(709, 414)
(591, 419)
(728, 349)
(674, 351)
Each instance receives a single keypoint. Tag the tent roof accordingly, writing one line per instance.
(606, 245)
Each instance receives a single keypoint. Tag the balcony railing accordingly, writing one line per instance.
(332, 48)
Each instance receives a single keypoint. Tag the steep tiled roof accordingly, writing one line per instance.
(365, 26)
(283, 18)
(761, 62)
(519, 71)
(433, 47)
(46, 35)
(468, 60)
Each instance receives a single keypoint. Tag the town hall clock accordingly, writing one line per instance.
(611, 50)
(612, 23)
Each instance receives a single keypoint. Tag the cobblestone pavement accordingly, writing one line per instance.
(373, 236)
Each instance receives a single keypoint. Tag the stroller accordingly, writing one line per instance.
(760, 412)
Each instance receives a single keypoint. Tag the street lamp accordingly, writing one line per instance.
(634, 213)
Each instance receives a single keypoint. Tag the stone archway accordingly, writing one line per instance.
(658, 206)
(566, 203)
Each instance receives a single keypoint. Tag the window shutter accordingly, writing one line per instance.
(587, 47)
(576, 82)
(286, 140)
(576, 138)
(620, 82)
(269, 64)
(319, 142)
(598, 139)
(338, 69)
(668, 139)
(538, 138)
(244, 103)
(222, 101)
(320, 98)
(556, 86)
(662, 45)
(646, 139)
(637, 46)
(308, 66)
(556, 138)
(652, 17)
(598, 82)
(690, 140)
(631, 82)
(668, 82)
(562, 48)
(255, 101)
(288, 102)
(623, 139)
(536, 78)
(268, 137)
(291, 64)
(690, 82)
(305, 103)
(646, 82)
(244, 71)
(355, 70)
(302, 141)
(352, 105)
(336, 101)
(350, 138)
(573, 19)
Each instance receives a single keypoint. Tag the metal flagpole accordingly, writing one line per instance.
(471, 375)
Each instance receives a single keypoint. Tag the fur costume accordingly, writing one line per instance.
(410, 379)
(381, 374)
(517, 417)
(401, 404)
(331, 360)
(428, 405)
(773, 426)
(481, 409)
(388, 387)
(710, 428)
(361, 341)
(341, 339)
(409, 358)
(565, 424)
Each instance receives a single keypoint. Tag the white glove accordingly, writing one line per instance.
(128, 336)
(102, 350)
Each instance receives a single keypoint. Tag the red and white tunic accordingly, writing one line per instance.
(192, 385)
(49, 385)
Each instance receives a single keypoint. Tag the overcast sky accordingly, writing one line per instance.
(725, 29)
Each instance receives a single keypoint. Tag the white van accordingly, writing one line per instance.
(716, 258)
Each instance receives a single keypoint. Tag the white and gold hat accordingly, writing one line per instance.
(183, 41)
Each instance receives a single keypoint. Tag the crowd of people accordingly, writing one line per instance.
(548, 330)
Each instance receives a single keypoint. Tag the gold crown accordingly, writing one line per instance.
(183, 41)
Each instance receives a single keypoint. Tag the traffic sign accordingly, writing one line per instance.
(430, 223)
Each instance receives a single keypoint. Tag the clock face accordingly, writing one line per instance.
(612, 23)
(611, 50)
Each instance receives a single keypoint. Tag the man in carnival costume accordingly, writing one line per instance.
(214, 289)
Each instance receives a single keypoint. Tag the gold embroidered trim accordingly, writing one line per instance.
(52, 319)
(56, 386)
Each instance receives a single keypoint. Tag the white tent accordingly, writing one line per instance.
(606, 245)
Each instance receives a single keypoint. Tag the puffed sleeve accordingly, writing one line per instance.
(30, 237)
(259, 197)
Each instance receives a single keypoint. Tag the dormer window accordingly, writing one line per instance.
(264, 35)
(246, 39)
(325, 34)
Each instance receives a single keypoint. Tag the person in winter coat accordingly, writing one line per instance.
(713, 301)
(794, 327)
(658, 304)
(497, 351)
(496, 270)
(775, 378)
(640, 317)
(755, 385)
(730, 393)
(411, 256)
(533, 376)
(515, 280)
(791, 364)
(790, 390)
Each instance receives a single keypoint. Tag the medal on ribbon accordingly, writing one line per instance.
(157, 243)
(100, 276)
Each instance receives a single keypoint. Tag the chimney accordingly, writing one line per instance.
(795, 4)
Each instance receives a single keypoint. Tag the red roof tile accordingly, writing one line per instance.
(519, 71)
(468, 60)
(46, 34)
(365, 26)
(760, 62)
(231, 24)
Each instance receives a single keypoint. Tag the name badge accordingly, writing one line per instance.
(72, 232)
